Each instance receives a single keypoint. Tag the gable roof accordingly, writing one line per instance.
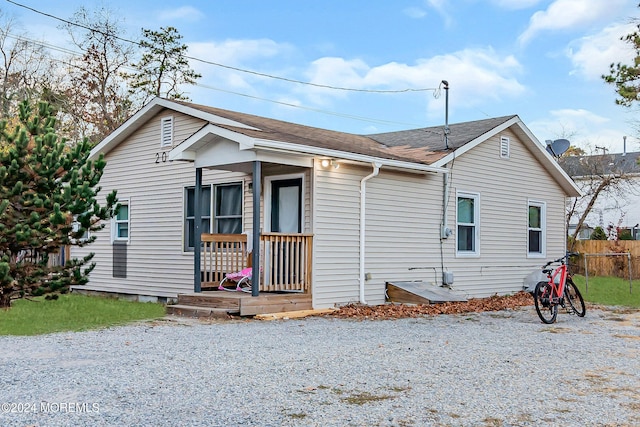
(601, 164)
(433, 137)
(417, 149)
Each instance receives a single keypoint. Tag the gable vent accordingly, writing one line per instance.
(166, 132)
(504, 147)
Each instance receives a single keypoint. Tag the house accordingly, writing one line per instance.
(617, 206)
(478, 208)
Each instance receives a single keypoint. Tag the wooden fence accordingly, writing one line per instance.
(602, 262)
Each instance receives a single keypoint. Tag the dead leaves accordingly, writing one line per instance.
(397, 311)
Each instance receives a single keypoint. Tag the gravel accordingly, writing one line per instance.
(494, 368)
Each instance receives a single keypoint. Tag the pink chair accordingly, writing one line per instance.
(242, 280)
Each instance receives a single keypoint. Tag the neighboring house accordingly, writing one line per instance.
(486, 205)
(618, 206)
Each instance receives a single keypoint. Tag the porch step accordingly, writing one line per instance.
(214, 299)
(212, 303)
(199, 311)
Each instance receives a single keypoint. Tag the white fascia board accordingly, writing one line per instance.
(551, 161)
(128, 127)
(474, 143)
(148, 111)
(316, 151)
(186, 150)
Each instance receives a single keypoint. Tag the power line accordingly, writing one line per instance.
(202, 85)
(229, 67)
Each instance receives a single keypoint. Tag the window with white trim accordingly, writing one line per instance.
(505, 147)
(536, 228)
(120, 223)
(468, 225)
(166, 131)
(227, 211)
(227, 217)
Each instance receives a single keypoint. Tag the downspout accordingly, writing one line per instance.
(363, 195)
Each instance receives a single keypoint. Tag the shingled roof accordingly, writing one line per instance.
(424, 145)
(433, 137)
(601, 164)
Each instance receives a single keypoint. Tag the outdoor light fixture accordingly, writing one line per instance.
(325, 163)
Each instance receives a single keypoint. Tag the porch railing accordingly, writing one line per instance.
(285, 260)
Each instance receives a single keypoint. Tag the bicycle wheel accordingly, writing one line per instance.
(573, 296)
(546, 308)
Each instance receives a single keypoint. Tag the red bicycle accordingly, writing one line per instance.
(558, 290)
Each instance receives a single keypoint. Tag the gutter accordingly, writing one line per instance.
(363, 195)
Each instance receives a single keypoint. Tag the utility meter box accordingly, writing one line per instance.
(447, 278)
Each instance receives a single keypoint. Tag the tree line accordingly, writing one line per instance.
(99, 81)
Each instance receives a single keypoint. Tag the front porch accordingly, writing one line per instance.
(223, 304)
(284, 276)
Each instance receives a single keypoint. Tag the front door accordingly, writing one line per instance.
(286, 205)
(285, 216)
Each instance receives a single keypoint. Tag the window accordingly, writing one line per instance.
(536, 238)
(120, 223)
(467, 222)
(227, 211)
(166, 131)
(189, 214)
(504, 147)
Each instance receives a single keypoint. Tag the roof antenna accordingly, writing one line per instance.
(446, 114)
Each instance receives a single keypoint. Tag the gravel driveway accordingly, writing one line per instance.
(495, 369)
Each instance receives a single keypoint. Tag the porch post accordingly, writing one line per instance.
(197, 211)
(255, 264)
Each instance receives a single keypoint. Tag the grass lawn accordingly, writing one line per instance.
(609, 291)
(73, 312)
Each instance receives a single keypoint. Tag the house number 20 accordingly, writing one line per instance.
(162, 157)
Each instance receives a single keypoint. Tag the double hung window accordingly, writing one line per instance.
(467, 220)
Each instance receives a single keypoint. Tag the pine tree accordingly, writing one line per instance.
(163, 67)
(49, 199)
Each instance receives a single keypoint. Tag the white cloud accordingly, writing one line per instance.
(243, 54)
(474, 75)
(569, 14)
(592, 55)
(184, 13)
(583, 128)
(439, 6)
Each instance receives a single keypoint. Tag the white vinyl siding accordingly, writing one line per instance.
(157, 265)
(506, 188)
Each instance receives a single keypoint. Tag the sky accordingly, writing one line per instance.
(539, 59)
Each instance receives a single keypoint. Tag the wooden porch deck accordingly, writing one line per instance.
(222, 304)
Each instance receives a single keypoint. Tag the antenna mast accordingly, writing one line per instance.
(446, 114)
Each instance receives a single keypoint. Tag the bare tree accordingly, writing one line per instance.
(25, 67)
(600, 177)
(96, 97)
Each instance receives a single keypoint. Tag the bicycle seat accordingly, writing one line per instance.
(547, 270)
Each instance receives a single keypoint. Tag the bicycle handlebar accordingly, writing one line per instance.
(568, 254)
